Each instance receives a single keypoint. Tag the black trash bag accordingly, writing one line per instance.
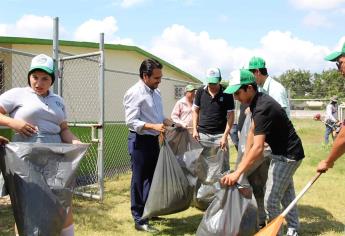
(3, 191)
(229, 214)
(186, 149)
(40, 179)
(170, 190)
(203, 195)
(209, 168)
(211, 163)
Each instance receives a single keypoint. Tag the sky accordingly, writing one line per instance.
(194, 34)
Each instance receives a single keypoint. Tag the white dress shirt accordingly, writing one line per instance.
(143, 105)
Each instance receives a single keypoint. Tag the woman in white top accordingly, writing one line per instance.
(38, 115)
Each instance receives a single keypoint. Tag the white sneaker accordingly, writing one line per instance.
(291, 232)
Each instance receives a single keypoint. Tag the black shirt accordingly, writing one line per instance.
(271, 119)
(213, 111)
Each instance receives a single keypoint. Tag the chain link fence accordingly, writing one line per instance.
(79, 85)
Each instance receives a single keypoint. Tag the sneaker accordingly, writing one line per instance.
(291, 232)
(145, 227)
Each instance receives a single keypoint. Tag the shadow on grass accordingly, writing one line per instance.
(179, 226)
(316, 221)
(95, 217)
(6, 220)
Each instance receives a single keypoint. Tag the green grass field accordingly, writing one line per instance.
(322, 209)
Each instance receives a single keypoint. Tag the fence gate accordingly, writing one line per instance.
(81, 86)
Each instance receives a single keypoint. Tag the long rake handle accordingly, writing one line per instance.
(304, 190)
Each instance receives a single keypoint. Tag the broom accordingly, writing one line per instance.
(273, 227)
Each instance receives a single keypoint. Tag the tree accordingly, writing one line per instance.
(298, 82)
(328, 84)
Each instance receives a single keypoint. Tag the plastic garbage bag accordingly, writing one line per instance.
(170, 190)
(257, 174)
(186, 149)
(212, 162)
(229, 214)
(40, 179)
(3, 191)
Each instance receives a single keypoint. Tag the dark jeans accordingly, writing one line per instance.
(144, 152)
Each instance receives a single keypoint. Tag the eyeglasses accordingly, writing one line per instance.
(339, 63)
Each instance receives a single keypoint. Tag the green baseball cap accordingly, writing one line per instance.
(334, 55)
(189, 88)
(213, 76)
(256, 63)
(239, 78)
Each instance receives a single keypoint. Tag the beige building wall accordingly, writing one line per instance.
(81, 85)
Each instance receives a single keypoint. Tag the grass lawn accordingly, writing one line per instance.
(322, 209)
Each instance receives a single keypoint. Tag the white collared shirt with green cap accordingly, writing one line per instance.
(277, 91)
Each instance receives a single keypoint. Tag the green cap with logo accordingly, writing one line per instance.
(213, 76)
(256, 63)
(189, 88)
(335, 55)
(239, 78)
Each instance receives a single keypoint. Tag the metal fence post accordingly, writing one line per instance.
(56, 55)
(100, 161)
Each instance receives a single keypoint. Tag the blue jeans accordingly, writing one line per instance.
(328, 131)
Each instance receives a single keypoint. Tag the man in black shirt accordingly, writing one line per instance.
(213, 111)
(270, 124)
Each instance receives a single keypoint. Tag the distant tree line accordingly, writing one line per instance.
(303, 84)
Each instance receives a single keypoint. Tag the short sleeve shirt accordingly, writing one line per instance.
(213, 110)
(277, 91)
(47, 113)
(271, 120)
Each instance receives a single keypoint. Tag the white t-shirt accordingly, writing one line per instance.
(47, 113)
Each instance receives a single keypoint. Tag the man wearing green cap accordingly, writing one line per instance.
(338, 147)
(267, 84)
(213, 113)
(270, 124)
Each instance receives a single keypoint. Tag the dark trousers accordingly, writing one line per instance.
(144, 152)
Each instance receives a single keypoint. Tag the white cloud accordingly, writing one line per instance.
(30, 26)
(315, 19)
(195, 52)
(317, 4)
(130, 3)
(90, 30)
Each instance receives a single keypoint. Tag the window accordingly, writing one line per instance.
(179, 91)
